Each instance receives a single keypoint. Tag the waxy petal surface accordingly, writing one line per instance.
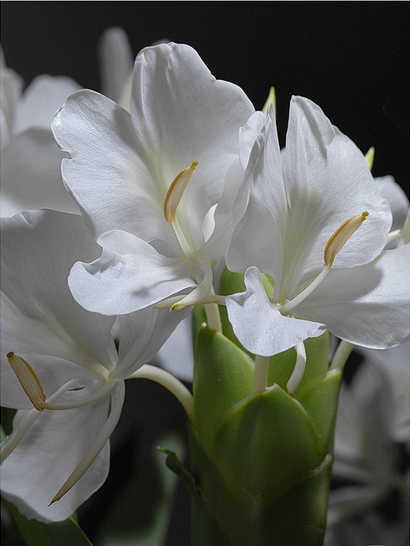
(259, 325)
(44, 450)
(40, 320)
(129, 275)
(367, 305)
(301, 196)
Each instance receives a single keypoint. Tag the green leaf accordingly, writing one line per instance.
(223, 376)
(36, 533)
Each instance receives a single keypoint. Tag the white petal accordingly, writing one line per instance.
(129, 275)
(11, 86)
(142, 334)
(328, 181)
(30, 174)
(247, 136)
(258, 324)
(182, 113)
(40, 321)
(260, 236)
(107, 175)
(366, 305)
(176, 355)
(394, 368)
(41, 100)
(399, 202)
(49, 452)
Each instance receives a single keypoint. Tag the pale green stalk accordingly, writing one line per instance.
(261, 374)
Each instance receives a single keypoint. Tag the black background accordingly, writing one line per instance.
(351, 58)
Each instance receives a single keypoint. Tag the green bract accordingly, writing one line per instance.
(260, 465)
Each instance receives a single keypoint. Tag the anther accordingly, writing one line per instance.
(28, 380)
(172, 200)
(339, 238)
(176, 191)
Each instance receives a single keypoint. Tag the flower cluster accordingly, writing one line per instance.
(176, 177)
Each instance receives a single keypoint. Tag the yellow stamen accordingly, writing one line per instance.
(339, 238)
(270, 100)
(369, 157)
(176, 191)
(172, 200)
(28, 380)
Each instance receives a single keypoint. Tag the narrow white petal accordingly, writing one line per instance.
(399, 202)
(259, 237)
(117, 400)
(176, 355)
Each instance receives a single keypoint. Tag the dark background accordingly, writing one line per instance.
(349, 57)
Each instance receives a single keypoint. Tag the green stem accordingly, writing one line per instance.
(261, 374)
(171, 383)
